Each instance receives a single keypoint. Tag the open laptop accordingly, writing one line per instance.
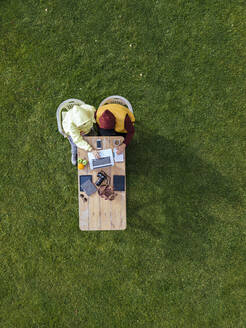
(106, 159)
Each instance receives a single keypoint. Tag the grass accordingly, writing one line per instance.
(181, 261)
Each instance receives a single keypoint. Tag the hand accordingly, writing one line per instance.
(96, 153)
(121, 148)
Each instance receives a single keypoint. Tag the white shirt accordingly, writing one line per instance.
(78, 119)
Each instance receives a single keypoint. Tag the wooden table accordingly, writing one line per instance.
(98, 213)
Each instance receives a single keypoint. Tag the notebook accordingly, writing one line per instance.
(118, 157)
(89, 187)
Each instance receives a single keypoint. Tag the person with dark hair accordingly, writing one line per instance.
(116, 120)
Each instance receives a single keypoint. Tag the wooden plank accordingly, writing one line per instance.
(119, 203)
(94, 215)
(83, 206)
(106, 205)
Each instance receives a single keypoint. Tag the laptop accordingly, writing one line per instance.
(106, 159)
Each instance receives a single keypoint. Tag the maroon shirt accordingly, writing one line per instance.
(130, 130)
(129, 127)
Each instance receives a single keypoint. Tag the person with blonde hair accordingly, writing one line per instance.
(78, 122)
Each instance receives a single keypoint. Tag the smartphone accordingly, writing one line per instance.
(99, 144)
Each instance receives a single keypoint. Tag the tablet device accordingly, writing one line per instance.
(119, 182)
(84, 178)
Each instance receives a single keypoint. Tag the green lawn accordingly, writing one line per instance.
(181, 262)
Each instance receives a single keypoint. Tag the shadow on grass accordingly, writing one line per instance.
(174, 194)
